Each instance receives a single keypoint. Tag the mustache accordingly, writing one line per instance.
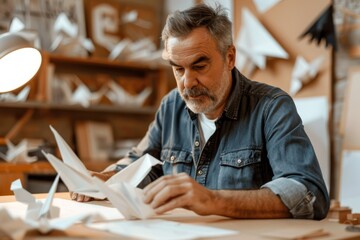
(194, 92)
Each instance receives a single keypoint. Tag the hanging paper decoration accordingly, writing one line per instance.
(323, 29)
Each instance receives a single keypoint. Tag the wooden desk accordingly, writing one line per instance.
(248, 229)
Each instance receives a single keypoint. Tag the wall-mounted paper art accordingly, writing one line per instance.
(255, 44)
(304, 72)
(264, 5)
(323, 29)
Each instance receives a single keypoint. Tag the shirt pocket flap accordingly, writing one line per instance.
(176, 156)
(241, 158)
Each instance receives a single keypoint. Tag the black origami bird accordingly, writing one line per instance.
(323, 29)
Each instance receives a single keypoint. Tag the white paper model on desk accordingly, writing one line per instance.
(78, 179)
(40, 215)
(255, 44)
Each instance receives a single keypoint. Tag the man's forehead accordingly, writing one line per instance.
(188, 51)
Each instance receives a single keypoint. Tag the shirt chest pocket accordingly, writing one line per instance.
(240, 170)
(176, 161)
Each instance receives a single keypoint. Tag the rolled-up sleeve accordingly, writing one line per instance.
(294, 195)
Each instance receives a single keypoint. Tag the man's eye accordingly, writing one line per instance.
(179, 70)
(199, 67)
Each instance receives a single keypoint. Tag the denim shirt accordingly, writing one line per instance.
(259, 142)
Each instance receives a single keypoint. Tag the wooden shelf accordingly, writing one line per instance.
(41, 106)
(31, 119)
(102, 62)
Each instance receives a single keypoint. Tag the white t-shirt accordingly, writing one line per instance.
(207, 128)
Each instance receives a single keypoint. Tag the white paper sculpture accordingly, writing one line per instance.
(304, 73)
(255, 44)
(41, 216)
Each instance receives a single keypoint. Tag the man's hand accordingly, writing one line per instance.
(102, 175)
(180, 190)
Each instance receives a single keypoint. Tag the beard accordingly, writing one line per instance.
(199, 99)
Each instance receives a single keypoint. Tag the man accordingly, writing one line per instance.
(239, 147)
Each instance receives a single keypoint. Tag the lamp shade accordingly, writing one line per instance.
(19, 61)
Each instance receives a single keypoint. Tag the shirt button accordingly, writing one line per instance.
(197, 143)
(239, 161)
(172, 158)
(200, 172)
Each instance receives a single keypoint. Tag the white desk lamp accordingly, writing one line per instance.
(19, 61)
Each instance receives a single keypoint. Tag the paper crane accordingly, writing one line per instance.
(118, 95)
(17, 153)
(41, 216)
(36, 210)
(20, 97)
(255, 44)
(78, 179)
(67, 38)
(304, 73)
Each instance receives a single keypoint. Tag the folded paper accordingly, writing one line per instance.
(304, 72)
(323, 29)
(40, 215)
(264, 5)
(67, 40)
(78, 179)
(118, 95)
(127, 199)
(255, 44)
(20, 97)
(18, 153)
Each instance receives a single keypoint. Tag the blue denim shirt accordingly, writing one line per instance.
(259, 142)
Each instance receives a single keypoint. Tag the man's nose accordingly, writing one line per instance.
(190, 79)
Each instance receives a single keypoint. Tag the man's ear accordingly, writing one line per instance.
(231, 56)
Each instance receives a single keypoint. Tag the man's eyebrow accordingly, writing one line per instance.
(200, 59)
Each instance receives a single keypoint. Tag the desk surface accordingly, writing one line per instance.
(248, 229)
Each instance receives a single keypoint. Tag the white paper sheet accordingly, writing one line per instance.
(314, 114)
(69, 208)
(161, 230)
(349, 178)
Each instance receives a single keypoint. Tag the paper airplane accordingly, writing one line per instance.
(41, 216)
(78, 179)
(118, 95)
(255, 44)
(304, 73)
(18, 153)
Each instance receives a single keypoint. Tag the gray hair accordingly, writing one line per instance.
(181, 23)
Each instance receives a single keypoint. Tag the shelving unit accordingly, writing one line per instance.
(31, 119)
